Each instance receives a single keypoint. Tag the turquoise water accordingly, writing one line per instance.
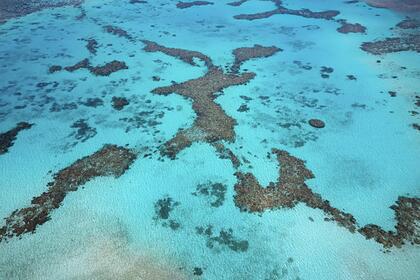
(363, 160)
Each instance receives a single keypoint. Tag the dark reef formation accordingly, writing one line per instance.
(225, 238)
(316, 123)
(138, 2)
(111, 160)
(246, 53)
(83, 131)
(108, 68)
(7, 138)
(390, 45)
(350, 27)
(54, 68)
(185, 5)
(291, 189)
(16, 8)
(117, 31)
(100, 70)
(281, 10)
(326, 71)
(407, 215)
(215, 192)
(409, 23)
(92, 46)
(118, 103)
(237, 3)
(163, 209)
(397, 5)
(212, 123)
(225, 153)
(184, 55)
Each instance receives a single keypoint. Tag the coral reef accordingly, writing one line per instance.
(7, 138)
(100, 70)
(397, 5)
(184, 55)
(237, 3)
(212, 124)
(83, 131)
(247, 53)
(316, 123)
(184, 5)
(163, 209)
(110, 160)
(350, 27)
(11, 8)
(118, 103)
(407, 214)
(54, 68)
(215, 192)
(117, 31)
(92, 46)
(291, 189)
(225, 153)
(108, 68)
(281, 10)
(409, 23)
(225, 238)
(390, 45)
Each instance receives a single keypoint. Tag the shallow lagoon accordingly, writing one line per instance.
(177, 215)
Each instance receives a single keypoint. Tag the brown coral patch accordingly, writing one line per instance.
(111, 160)
(117, 31)
(350, 27)
(281, 10)
(100, 70)
(212, 124)
(409, 23)
(407, 214)
(7, 138)
(390, 45)
(92, 45)
(237, 3)
(184, 55)
(397, 5)
(108, 68)
(185, 5)
(11, 8)
(247, 53)
(118, 103)
(226, 153)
